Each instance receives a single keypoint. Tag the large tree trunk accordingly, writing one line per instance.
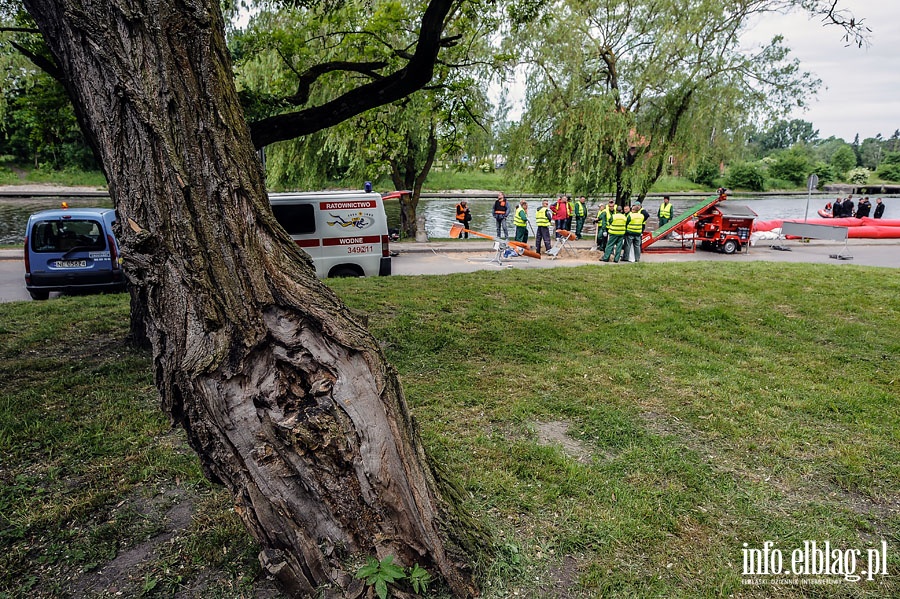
(284, 395)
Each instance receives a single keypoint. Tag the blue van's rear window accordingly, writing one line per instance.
(66, 235)
(297, 219)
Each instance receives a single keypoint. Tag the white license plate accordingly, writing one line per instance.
(71, 263)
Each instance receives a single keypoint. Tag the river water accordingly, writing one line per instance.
(440, 213)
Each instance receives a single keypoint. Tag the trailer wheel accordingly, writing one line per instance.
(731, 246)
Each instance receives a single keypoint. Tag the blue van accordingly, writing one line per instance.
(71, 250)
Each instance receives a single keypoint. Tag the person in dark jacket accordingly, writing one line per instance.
(501, 212)
(463, 216)
(863, 208)
(847, 207)
(837, 209)
(879, 208)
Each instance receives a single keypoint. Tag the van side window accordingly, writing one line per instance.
(297, 219)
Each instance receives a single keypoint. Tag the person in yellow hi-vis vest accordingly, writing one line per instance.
(616, 233)
(580, 216)
(604, 217)
(664, 214)
(520, 220)
(542, 219)
(634, 226)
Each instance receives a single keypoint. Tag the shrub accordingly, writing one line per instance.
(792, 165)
(858, 176)
(705, 173)
(745, 175)
(825, 172)
(889, 169)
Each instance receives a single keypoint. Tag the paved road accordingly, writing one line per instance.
(452, 257)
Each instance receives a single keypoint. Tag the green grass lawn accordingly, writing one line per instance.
(623, 432)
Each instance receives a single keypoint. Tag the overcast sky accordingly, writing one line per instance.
(860, 86)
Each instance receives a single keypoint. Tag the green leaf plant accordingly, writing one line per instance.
(386, 572)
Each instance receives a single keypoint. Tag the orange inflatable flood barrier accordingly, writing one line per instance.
(524, 248)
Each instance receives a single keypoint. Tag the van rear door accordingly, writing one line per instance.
(299, 220)
(68, 250)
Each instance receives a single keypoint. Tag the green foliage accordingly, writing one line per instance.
(382, 573)
(784, 134)
(592, 121)
(889, 169)
(858, 176)
(705, 173)
(396, 142)
(40, 126)
(843, 159)
(745, 175)
(419, 578)
(825, 172)
(792, 165)
(871, 152)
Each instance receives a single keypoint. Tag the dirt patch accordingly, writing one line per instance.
(115, 576)
(564, 580)
(556, 433)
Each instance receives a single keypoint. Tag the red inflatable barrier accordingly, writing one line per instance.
(857, 228)
(874, 232)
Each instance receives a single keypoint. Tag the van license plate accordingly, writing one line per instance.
(71, 263)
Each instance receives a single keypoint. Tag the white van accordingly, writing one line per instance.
(345, 232)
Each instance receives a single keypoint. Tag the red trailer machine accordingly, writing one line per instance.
(725, 227)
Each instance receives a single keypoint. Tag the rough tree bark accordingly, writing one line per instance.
(284, 395)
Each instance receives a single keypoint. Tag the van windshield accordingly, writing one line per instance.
(67, 235)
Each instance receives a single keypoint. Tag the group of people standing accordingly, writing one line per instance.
(563, 213)
(844, 208)
(618, 230)
(619, 233)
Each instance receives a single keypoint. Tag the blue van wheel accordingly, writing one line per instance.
(39, 295)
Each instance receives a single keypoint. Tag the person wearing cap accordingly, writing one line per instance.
(463, 216)
(645, 213)
(580, 211)
(616, 228)
(602, 221)
(634, 226)
(542, 219)
(520, 220)
(664, 214)
(501, 211)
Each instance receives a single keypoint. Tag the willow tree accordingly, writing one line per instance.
(283, 393)
(400, 140)
(619, 89)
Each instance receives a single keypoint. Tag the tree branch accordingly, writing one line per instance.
(416, 74)
(41, 62)
(311, 75)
